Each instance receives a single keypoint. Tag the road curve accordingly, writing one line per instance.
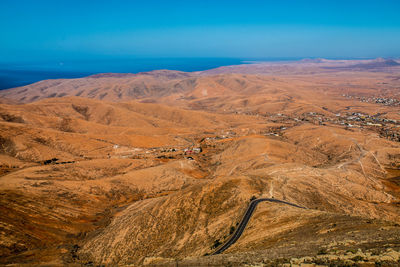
(245, 220)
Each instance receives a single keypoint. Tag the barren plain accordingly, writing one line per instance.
(158, 168)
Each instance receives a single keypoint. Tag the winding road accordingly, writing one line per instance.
(245, 220)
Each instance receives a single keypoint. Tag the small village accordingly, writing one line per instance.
(161, 153)
(393, 102)
(387, 128)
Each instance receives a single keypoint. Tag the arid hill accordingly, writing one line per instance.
(374, 64)
(158, 168)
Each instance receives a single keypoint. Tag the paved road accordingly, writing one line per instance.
(242, 225)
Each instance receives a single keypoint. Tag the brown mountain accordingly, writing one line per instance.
(377, 63)
(108, 86)
(371, 64)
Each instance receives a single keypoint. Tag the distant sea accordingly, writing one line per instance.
(14, 75)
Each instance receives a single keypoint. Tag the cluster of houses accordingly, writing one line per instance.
(351, 119)
(391, 134)
(378, 100)
(275, 131)
(388, 128)
(192, 151)
(154, 152)
(361, 120)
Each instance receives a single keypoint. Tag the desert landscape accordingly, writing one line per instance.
(158, 168)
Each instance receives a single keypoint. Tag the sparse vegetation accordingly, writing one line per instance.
(11, 118)
(322, 251)
(216, 244)
(83, 110)
(65, 125)
(7, 146)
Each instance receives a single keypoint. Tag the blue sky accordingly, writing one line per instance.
(79, 30)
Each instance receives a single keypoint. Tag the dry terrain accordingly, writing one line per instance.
(158, 168)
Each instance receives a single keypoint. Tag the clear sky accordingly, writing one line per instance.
(90, 29)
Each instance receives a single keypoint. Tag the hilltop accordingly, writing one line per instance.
(374, 64)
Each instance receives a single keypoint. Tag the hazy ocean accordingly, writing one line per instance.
(13, 75)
